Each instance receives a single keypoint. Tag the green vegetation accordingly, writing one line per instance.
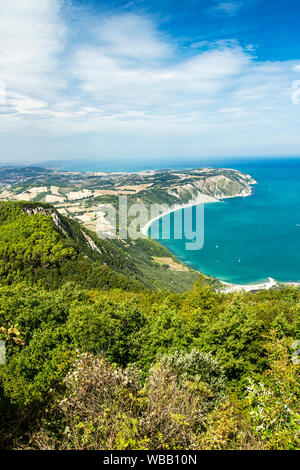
(101, 355)
(38, 244)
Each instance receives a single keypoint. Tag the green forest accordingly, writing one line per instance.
(106, 349)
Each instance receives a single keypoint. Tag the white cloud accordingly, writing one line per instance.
(119, 85)
(231, 110)
(31, 33)
(132, 37)
(229, 8)
(131, 87)
(25, 104)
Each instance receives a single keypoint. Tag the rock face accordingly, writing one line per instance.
(218, 187)
(91, 242)
(214, 184)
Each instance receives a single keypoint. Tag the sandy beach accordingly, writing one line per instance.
(228, 287)
(201, 199)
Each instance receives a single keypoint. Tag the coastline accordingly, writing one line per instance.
(228, 287)
(202, 199)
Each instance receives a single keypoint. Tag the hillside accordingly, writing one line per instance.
(99, 354)
(39, 244)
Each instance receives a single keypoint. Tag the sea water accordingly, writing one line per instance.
(248, 239)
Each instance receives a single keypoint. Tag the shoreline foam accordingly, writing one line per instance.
(229, 287)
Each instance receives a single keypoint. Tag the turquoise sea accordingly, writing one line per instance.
(248, 239)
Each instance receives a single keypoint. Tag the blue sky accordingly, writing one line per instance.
(149, 80)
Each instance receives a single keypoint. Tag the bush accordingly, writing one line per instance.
(108, 327)
(198, 368)
(107, 408)
(274, 401)
(98, 410)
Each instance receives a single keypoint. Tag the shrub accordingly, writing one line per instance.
(197, 367)
(274, 401)
(107, 408)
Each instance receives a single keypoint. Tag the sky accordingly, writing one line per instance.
(149, 80)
